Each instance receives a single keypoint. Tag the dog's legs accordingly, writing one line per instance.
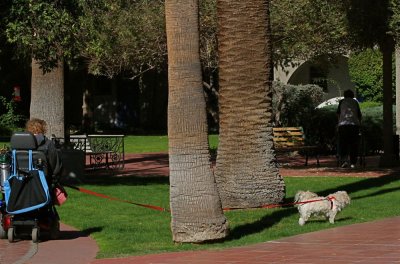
(332, 216)
(303, 219)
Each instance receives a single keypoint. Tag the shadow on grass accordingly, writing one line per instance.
(276, 217)
(260, 225)
(366, 184)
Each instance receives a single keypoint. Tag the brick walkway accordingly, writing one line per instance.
(375, 242)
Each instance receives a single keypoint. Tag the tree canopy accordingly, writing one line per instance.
(45, 30)
(123, 36)
(118, 36)
(303, 29)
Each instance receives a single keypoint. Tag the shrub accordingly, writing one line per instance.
(372, 124)
(369, 104)
(294, 105)
(10, 120)
(322, 129)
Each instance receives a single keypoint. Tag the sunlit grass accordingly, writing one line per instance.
(122, 229)
(145, 144)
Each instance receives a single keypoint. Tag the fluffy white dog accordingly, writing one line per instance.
(310, 204)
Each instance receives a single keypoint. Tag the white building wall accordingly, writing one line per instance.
(338, 78)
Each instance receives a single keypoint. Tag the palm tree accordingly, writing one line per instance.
(246, 173)
(195, 205)
(47, 97)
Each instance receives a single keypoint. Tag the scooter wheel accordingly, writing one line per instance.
(35, 235)
(10, 234)
(3, 233)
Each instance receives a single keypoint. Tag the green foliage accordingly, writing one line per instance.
(303, 29)
(123, 36)
(368, 21)
(372, 125)
(365, 69)
(10, 120)
(293, 105)
(322, 128)
(367, 104)
(208, 33)
(46, 30)
(395, 21)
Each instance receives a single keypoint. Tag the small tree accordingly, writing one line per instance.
(10, 119)
(366, 73)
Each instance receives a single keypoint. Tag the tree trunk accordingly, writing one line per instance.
(47, 98)
(195, 206)
(397, 90)
(247, 174)
(388, 159)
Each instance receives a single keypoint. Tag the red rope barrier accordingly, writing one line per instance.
(82, 190)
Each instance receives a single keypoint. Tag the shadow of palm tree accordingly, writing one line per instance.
(260, 225)
(276, 217)
(365, 184)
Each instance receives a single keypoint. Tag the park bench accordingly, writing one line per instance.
(102, 151)
(290, 139)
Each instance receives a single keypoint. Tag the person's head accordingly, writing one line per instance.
(36, 126)
(348, 94)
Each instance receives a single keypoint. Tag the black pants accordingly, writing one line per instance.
(348, 143)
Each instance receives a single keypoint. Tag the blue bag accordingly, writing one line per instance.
(25, 191)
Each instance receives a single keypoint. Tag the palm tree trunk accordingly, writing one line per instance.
(47, 97)
(246, 173)
(195, 205)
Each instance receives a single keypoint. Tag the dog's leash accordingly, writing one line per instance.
(82, 190)
(158, 208)
(270, 206)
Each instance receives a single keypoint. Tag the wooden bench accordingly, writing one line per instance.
(289, 139)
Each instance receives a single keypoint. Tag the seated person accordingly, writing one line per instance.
(38, 127)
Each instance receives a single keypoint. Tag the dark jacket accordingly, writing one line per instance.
(349, 112)
(54, 165)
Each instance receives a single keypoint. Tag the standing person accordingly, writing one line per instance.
(349, 121)
(38, 127)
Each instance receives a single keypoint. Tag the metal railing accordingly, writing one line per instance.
(103, 150)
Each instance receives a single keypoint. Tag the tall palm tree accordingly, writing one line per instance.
(47, 97)
(195, 205)
(246, 173)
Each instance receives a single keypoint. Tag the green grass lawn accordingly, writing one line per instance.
(123, 229)
(143, 144)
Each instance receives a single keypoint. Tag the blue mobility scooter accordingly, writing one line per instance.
(27, 207)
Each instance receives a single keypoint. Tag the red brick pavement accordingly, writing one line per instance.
(374, 242)
(72, 247)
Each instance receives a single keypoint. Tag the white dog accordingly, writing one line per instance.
(310, 204)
